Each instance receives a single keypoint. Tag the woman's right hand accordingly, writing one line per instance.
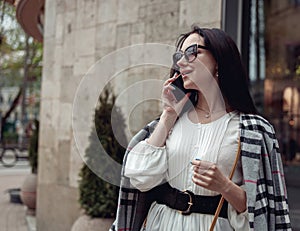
(171, 110)
(171, 106)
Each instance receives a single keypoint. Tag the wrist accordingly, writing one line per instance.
(168, 119)
(228, 185)
(168, 115)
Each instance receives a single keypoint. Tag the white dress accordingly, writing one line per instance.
(148, 165)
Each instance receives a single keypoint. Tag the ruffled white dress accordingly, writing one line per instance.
(216, 142)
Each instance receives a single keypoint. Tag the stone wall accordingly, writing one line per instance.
(77, 35)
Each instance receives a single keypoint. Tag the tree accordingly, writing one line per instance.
(12, 46)
(97, 197)
(20, 58)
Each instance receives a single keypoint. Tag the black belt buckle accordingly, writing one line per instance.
(190, 203)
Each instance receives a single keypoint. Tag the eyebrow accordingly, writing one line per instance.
(203, 47)
(198, 46)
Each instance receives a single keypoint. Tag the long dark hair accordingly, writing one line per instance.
(233, 80)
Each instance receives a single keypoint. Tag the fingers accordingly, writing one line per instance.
(168, 97)
(202, 166)
(202, 175)
(201, 180)
(170, 103)
(168, 88)
(167, 84)
(170, 80)
(206, 174)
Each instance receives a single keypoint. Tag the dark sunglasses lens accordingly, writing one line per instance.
(176, 57)
(191, 53)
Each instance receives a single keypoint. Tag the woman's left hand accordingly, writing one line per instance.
(207, 175)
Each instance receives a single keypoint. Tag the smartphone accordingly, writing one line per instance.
(179, 91)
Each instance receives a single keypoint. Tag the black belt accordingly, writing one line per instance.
(186, 202)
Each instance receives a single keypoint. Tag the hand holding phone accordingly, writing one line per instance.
(179, 91)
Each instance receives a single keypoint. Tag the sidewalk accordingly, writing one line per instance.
(13, 216)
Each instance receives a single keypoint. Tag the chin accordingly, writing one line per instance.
(187, 84)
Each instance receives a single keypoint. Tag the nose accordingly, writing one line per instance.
(182, 62)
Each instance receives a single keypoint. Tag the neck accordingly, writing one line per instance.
(210, 106)
(202, 104)
(203, 112)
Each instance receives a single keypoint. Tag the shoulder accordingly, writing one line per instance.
(256, 123)
(146, 131)
(143, 134)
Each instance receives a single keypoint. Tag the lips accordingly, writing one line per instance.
(185, 73)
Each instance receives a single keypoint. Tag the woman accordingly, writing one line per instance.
(195, 150)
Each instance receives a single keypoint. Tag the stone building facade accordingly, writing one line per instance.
(77, 34)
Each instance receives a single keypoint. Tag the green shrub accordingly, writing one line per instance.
(10, 137)
(97, 197)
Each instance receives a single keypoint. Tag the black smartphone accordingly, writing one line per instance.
(179, 91)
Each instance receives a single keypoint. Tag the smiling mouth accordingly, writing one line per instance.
(185, 74)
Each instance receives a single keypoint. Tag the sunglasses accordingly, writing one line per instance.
(190, 54)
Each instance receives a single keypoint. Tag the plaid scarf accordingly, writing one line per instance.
(263, 178)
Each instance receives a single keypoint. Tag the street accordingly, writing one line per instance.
(13, 215)
(21, 167)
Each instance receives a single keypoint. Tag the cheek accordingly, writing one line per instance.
(202, 73)
(201, 78)
(206, 65)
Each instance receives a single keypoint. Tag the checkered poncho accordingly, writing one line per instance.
(263, 179)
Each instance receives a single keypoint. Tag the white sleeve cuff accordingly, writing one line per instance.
(239, 221)
(146, 165)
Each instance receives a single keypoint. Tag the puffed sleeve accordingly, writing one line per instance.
(146, 166)
(239, 221)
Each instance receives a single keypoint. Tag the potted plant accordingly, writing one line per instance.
(29, 187)
(98, 198)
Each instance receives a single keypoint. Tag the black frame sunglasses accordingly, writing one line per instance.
(190, 54)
